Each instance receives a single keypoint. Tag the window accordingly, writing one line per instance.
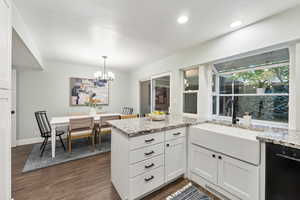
(190, 90)
(258, 84)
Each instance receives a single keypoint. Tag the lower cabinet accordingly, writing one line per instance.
(204, 163)
(143, 164)
(175, 161)
(239, 178)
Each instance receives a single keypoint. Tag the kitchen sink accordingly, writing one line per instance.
(236, 142)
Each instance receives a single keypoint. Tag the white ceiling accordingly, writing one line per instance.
(133, 32)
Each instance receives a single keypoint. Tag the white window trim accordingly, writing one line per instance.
(189, 115)
(254, 121)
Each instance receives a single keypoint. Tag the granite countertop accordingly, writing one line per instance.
(289, 138)
(139, 126)
(269, 134)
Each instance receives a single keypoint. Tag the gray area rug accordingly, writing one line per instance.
(81, 148)
(188, 192)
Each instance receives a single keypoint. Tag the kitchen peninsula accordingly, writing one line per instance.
(146, 154)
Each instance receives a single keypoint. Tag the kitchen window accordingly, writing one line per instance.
(259, 85)
(190, 91)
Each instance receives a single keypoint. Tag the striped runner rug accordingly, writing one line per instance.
(188, 192)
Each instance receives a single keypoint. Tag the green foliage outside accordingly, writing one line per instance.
(263, 78)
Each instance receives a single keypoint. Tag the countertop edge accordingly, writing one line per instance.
(277, 141)
(154, 130)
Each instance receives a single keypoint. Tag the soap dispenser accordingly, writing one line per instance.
(247, 119)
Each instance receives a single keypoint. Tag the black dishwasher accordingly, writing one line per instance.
(282, 173)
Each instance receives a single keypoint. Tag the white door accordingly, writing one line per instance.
(13, 108)
(5, 151)
(175, 159)
(239, 178)
(204, 163)
(5, 45)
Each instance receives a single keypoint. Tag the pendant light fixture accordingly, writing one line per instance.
(104, 75)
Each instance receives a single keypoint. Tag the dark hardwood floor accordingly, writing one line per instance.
(85, 179)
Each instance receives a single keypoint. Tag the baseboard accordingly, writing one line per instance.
(34, 140)
(29, 141)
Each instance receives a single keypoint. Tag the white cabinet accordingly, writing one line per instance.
(204, 163)
(142, 164)
(5, 152)
(175, 163)
(239, 178)
(234, 176)
(5, 45)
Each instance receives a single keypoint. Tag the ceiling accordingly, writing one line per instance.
(133, 33)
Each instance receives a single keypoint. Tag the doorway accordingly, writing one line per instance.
(145, 97)
(161, 93)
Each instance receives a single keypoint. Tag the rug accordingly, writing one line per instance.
(188, 192)
(81, 148)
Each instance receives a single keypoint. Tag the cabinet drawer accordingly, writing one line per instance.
(145, 183)
(175, 133)
(146, 153)
(146, 140)
(146, 166)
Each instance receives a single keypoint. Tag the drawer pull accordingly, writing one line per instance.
(150, 140)
(175, 134)
(149, 153)
(149, 166)
(149, 179)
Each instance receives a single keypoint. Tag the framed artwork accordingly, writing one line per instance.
(82, 89)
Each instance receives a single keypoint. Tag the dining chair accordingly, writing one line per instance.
(129, 116)
(81, 128)
(45, 130)
(103, 127)
(127, 111)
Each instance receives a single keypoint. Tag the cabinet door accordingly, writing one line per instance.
(204, 163)
(5, 151)
(239, 178)
(175, 159)
(5, 45)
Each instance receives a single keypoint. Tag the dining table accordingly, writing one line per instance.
(64, 121)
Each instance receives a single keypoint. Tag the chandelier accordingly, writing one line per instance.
(104, 75)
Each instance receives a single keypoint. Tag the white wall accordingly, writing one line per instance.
(49, 90)
(277, 31)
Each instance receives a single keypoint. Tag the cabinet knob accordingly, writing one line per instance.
(213, 155)
(167, 145)
(220, 157)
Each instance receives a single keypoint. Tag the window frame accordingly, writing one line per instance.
(191, 115)
(217, 94)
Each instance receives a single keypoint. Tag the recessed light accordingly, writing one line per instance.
(235, 24)
(182, 19)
